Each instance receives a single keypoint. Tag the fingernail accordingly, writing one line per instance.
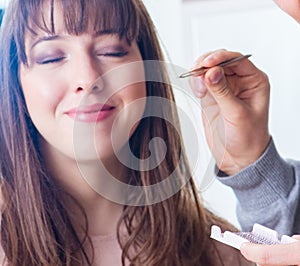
(216, 77)
(200, 87)
(209, 58)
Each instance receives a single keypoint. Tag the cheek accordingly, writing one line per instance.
(42, 94)
(132, 93)
(134, 104)
(133, 82)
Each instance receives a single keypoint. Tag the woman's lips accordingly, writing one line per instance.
(91, 113)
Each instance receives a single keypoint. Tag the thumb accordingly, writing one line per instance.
(282, 254)
(217, 85)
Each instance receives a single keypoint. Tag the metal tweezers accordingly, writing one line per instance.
(201, 70)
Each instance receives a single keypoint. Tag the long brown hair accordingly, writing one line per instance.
(36, 228)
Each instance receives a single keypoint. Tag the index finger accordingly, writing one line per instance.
(281, 254)
(241, 68)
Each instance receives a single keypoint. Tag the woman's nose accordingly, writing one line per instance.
(87, 76)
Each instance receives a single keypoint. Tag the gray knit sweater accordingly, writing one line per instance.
(268, 193)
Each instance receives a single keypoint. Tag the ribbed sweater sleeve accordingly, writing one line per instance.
(268, 193)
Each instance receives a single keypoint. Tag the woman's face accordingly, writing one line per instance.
(65, 107)
(292, 7)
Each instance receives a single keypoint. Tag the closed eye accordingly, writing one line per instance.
(50, 60)
(114, 54)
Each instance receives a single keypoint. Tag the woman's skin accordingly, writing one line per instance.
(58, 88)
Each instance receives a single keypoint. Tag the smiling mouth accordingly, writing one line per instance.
(92, 113)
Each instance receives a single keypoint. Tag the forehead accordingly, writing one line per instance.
(77, 16)
(54, 17)
(124, 18)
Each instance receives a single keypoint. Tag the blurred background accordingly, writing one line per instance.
(189, 28)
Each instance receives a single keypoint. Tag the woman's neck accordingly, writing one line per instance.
(80, 181)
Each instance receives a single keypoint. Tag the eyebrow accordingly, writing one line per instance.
(45, 38)
(56, 37)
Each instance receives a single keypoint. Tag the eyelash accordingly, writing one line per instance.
(51, 61)
(56, 60)
(116, 54)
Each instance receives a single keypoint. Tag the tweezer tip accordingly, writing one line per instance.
(184, 75)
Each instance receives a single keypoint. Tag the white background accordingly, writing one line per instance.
(3, 3)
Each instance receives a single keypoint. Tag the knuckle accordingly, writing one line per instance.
(222, 90)
(263, 79)
(199, 60)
